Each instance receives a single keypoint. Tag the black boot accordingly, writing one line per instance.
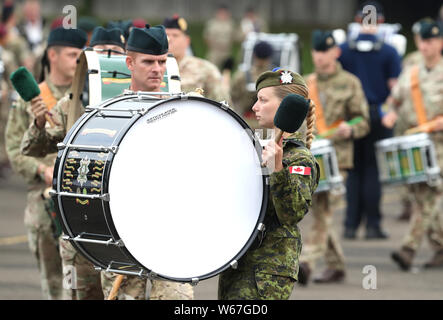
(375, 233)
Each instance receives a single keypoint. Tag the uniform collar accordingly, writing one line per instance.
(294, 137)
(58, 91)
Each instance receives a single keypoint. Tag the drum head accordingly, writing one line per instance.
(186, 189)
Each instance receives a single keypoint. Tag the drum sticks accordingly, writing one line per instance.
(23, 81)
(331, 131)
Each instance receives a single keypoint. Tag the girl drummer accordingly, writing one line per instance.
(269, 269)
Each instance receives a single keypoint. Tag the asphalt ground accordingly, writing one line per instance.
(19, 276)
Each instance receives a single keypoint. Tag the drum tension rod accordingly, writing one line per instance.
(195, 281)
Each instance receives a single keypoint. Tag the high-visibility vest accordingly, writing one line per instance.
(47, 96)
(417, 96)
(320, 121)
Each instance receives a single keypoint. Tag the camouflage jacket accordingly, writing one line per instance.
(412, 59)
(19, 119)
(431, 85)
(40, 142)
(199, 73)
(220, 35)
(290, 199)
(342, 98)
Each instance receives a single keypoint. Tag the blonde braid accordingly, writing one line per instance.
(310, 123)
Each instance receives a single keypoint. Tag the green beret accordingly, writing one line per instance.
(322, 40)
(87, 24)
(124, 26)
(111, 36)
(149, 40)
(176, 22)
(278, 78)
(417, 25)
(67, 38)
(430, 30)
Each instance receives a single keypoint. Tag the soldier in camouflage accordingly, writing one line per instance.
(269, 269)
(194, 72)
(243, 96)
(220, 34)
(341, 98)
(143, 44)
(428, 200)
(38, 171)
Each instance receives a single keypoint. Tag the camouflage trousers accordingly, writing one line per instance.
(43, 246)
(80, 280)
(134, 288)
(322, 241)
(254, 285)
(425, 218)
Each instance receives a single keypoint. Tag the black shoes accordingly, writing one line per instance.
(304, 272)
(350, 234)
(375, 233)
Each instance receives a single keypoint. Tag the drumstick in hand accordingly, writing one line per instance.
(290, 115)
(26, 86)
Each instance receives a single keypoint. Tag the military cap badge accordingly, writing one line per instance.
(182, 24)
(434, 31)
(285, 77)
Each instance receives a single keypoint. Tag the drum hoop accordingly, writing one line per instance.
(105, 188)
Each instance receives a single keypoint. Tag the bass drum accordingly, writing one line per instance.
(170, 189)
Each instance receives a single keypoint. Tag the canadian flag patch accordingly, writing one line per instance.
(304, 171)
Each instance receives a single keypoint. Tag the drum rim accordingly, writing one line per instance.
(105, 187)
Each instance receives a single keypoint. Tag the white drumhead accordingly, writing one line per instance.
(186, 189)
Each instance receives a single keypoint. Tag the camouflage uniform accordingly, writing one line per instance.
(8, 66)
(342, 98)
(38, 222)
(219, 36)
(36, 141)
(199, 73)
(269, 271)
(412, 59)
(428, 199)
(242, 98)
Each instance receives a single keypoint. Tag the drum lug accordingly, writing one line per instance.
(61, 146)
(261, 227)
(234, 264)
(92, 71)
(152, 275)
(267, 181)
(224, 105)
(195, 281)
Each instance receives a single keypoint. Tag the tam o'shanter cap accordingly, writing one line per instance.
(149, 40)
(277, 78)
(322, 40)
(263, 50)
(430, 30)
(176, 22)
(67, 38)
(87, 24)
(107, 36)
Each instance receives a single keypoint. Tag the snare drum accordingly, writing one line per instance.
(408, 159)
(330, 178)
(167, 189)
